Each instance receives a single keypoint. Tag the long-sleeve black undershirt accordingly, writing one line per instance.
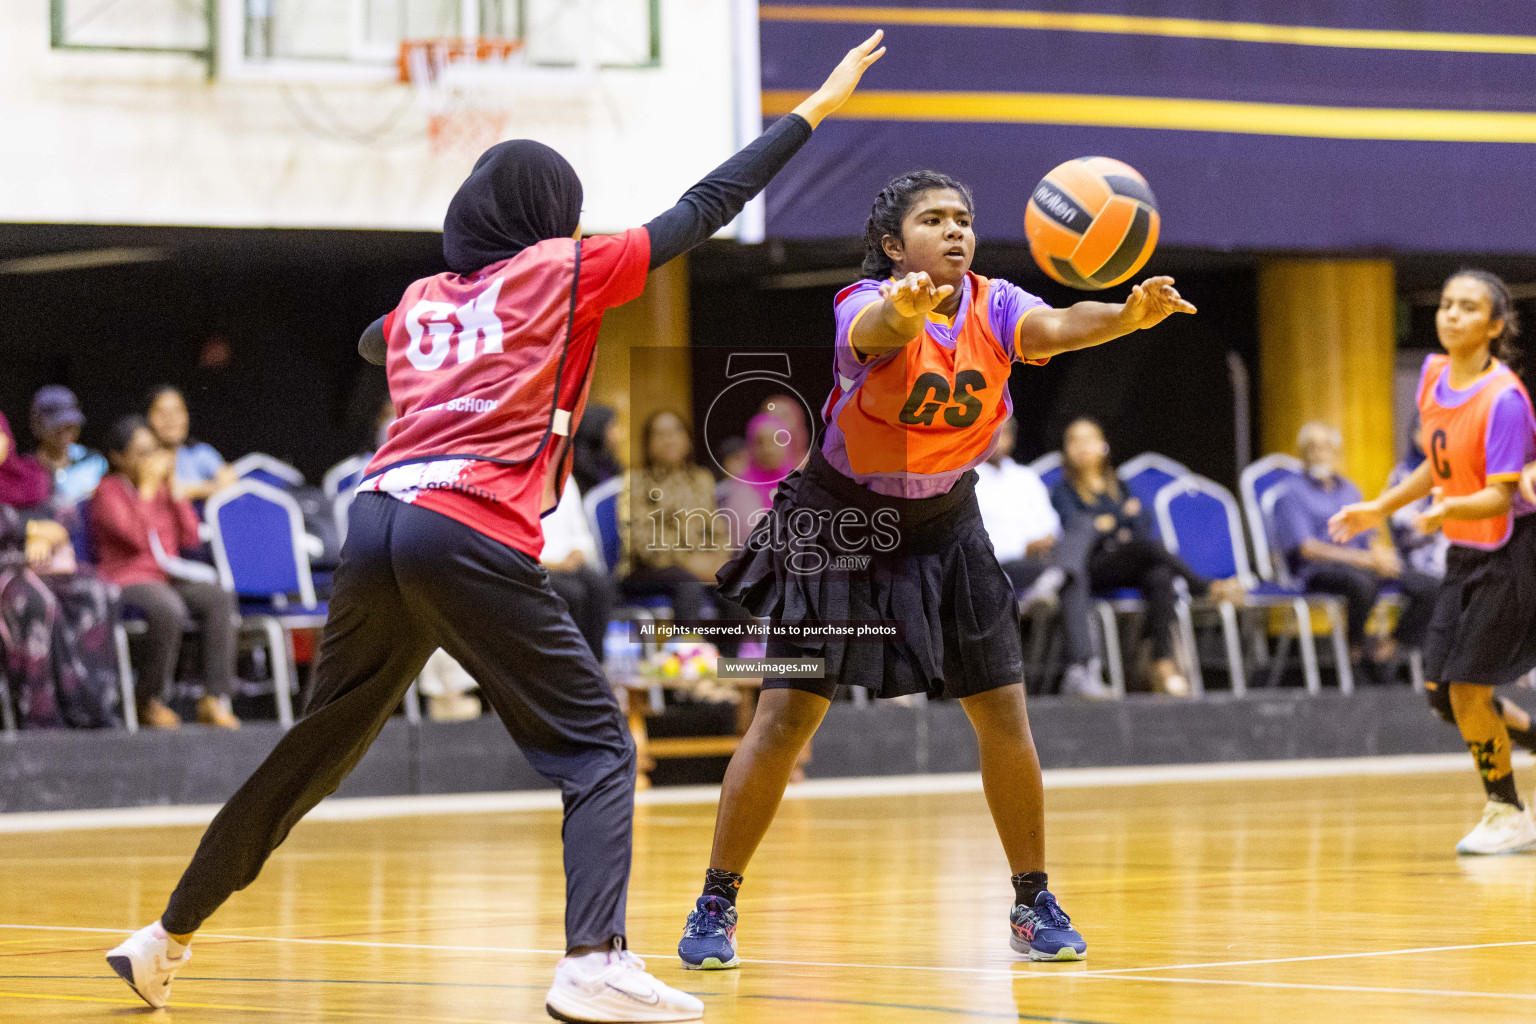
(703, 209)
(715, 201)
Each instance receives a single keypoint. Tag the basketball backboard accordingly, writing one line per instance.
(149, 26)
(358, 40)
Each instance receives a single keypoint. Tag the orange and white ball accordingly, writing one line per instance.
(1092, 222)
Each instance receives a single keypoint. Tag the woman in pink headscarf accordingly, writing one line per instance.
(56, 622)
(749, 490)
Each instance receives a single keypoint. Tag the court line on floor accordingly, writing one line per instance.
(180, 1005)
(961, 1011)
(370, 808)
(284, 981)
(1367, 989)
(979, 971)
(288, 1011)
(473, 984)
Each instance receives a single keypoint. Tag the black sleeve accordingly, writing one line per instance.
(713, 202)
(371, 346)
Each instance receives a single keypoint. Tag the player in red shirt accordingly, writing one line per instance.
(489, 367)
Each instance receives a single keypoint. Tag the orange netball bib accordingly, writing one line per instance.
(929, 409)
(1455, 427)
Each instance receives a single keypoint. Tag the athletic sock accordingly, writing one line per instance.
(173, 949)
(1487, 738)
(1028, 886)
(722, 884)
(1492, 757)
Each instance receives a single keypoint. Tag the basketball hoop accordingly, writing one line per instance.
(464, 87)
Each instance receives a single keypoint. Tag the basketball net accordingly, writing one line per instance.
(464, 86)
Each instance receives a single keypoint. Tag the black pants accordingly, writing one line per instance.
(1361, 589)
(589, 595)
(411, 581)
(169, 610)
(1143, 564)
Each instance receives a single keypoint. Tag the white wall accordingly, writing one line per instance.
(145, 139)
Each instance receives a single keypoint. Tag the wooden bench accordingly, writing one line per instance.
(635, 694)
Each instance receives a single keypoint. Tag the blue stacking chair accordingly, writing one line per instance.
(1048, 468)
(1262, 483)
(261, 553)
(1201, 524)
(1149, 473)
(345, 475)
(340, 487)
(601, 505)
(265, 469)
(1260, 480)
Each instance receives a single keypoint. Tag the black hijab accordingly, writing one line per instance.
(520, 193)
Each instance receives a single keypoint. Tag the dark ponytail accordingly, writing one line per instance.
(892, 206)
(1502, 307)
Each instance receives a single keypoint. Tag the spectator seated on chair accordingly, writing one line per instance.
(56, 618)
(56, 423)
(570, 556)
(746, 493)
(1016, 509)
(667, 516)
(1115, 531)
(200, 469)
(139, 529)
(449, 689)
(674, 538)
(1358, 571)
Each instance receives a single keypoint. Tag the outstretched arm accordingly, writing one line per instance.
(1048, 332)
(1493, 500)
(713, 202)
(1355, 519)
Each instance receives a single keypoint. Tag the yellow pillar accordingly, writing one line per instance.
(1327, 346)
(643, 361)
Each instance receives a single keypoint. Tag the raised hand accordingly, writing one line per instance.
(834, 92)
(1152, 302)
(1352, 520)
(915, 295)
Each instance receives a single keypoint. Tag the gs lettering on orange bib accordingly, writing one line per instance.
(1473, 437)
(911, 422)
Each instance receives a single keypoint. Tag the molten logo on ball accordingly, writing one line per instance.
(1092, 222)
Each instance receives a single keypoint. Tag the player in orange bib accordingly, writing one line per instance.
(882, 526)
(1479, 431)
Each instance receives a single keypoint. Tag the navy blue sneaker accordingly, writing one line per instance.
(1045, 932)
(709, 939)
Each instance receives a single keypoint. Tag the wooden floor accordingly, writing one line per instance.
(1261, 901)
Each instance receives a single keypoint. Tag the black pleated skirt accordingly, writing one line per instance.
(926, 564)
(1484, 625)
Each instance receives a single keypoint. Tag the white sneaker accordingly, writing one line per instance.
(142, 962)
(612, 986)
(1086, 682)
(1504, 829)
